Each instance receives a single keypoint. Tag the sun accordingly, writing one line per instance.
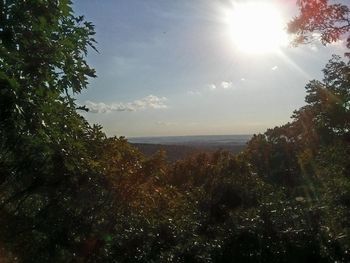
(257, 27)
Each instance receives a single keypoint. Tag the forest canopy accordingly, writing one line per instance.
(69, 193)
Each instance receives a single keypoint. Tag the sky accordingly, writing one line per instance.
(170, 68)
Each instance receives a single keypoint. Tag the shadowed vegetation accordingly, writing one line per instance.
(68, 193)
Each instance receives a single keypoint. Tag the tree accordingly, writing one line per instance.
(319, 18)
(42, 60)
(46, 159)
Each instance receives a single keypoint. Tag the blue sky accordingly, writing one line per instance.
(159, 61)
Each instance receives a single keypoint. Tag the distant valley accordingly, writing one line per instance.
(179, 147)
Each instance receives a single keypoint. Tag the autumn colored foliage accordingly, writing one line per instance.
(68, 193)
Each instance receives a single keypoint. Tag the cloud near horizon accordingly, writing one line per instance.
(226, 84)
(212, 86)
(221, 85)
(165, 123)
(149, 102)
(194, 92)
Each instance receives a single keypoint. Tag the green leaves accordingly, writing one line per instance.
(68, 193)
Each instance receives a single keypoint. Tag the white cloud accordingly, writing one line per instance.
(164, 123)
(222, 85)
(212, 86)
(242, 79)
(274, 68)
(340, 44)
(226, 85)
(194, 92)
(149, 102)
(313, 47)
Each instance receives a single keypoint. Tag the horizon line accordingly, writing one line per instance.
(198, 135)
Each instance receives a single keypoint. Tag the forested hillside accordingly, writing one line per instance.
(69, 193)
(179, 152)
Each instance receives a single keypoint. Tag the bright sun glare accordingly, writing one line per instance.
(257, 27)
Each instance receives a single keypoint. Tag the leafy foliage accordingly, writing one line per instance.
(321, 20)
(70, 194)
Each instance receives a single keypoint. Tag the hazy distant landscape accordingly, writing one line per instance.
(179, 147)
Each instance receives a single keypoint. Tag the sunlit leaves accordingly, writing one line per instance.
(320, 19)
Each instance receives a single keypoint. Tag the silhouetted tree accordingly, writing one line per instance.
(320, 19)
